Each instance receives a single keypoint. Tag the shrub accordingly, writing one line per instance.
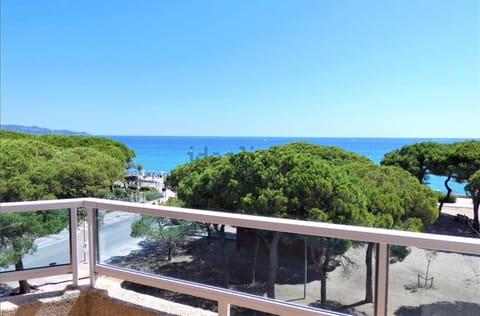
(452, 198)
(152, 195)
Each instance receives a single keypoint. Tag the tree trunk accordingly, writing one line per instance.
(226, 271)
(369, 278)
(323, 278)
(476, 203)
(169, 253)
(209, 233)
(447, 196)
(23, 284)
(273, 265)
(422, 176)
(254, 259)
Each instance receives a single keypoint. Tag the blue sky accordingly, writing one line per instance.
(243, 68)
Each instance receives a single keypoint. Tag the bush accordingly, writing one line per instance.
(152, 195)
(119, 192)
(451, 199)
(398, 253)
(173, 201)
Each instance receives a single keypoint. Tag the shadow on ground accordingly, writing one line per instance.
(6, 290)
(337, 307)
(448, 224)
(440, 309)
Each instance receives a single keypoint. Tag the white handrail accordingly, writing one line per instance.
(367, 234)
(358, 233)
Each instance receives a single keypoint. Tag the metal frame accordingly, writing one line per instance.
(224, 297)
(382, 237)
(74, 246)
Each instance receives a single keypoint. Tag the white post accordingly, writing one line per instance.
(223, 308)
(381, 293)
(91, 244)
(74, 246)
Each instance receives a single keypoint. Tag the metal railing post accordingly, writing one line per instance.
(381, 285)
(74, 245)
(91, 244)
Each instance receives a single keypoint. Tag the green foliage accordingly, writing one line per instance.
(334, 246)
(473, 188)
(307, 181)
(310, 182)
(413, 158)
(292, 181)
(395, 199)
(452, 198)
(457, 160)
(161, 230)
(152, 195)
(464, 159)
(114, 149)
(398, 253)
(38, 167)
(19, 231)
(35, 167)
(173, 201)
(119, 192)
(473, 183)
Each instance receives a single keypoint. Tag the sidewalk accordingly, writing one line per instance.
(463, 206)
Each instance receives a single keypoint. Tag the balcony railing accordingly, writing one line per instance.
(224, 297)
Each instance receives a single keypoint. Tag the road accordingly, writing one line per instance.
(114, 240)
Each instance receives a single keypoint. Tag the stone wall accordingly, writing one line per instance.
(108, 299)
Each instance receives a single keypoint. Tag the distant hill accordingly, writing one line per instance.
(38, 130)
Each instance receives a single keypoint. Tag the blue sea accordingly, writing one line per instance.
(163, 153)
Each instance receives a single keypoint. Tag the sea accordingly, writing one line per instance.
(160, 154)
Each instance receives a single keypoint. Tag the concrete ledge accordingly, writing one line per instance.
(105, 300)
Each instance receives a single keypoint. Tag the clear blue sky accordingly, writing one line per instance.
(243, 68)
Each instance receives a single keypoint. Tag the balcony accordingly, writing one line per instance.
(451, 284)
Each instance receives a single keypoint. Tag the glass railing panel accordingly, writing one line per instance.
(34, 239)
(430, 282)
(114, 235)
(240, 259)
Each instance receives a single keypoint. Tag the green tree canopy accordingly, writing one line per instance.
(413, 158)
(38, 167)
(298, 180)
(457, 161)
(306, 181)
(395, 200)
(473, 187)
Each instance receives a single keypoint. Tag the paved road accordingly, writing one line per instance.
(114, 240)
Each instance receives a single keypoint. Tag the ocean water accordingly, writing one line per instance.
(163, 153)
